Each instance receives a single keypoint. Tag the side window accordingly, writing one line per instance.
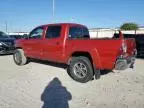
(53, 31)
(86, 33)
(75, 32)
(36, 33)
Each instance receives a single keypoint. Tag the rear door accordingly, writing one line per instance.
(53, 43)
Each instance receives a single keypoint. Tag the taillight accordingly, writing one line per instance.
(123, 48)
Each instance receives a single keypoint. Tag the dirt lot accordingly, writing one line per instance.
(39, 85)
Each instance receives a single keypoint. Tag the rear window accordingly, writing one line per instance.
(78, 32)
(53, 31)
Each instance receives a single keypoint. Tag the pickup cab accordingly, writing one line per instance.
(70, 43)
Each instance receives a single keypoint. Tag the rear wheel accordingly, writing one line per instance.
(80, 69)
(19, 57)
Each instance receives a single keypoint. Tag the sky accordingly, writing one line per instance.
(24, 15)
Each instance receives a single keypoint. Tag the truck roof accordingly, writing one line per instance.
(74, 24)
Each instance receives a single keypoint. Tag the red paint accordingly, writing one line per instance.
(103, 52)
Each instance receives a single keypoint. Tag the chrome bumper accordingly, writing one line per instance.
(124, 63)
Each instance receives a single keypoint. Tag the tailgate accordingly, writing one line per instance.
(131, 46)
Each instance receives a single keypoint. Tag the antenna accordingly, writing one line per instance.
(53, 11)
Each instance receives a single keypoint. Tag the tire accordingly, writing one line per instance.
(80, 69)
(19, 57)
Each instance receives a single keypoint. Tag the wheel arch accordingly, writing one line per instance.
(18, 47)
(93, 57)
(80, 53)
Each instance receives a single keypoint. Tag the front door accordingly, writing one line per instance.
(32, 45)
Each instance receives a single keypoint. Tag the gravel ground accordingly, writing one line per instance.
(39, 85)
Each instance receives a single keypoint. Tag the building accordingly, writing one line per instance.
(108, 32)
(17, 33)
(101, 32)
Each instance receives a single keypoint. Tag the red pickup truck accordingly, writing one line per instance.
(70, 44)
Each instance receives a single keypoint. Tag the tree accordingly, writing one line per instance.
(129, 26)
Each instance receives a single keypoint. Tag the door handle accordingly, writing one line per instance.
(57, 43)
(29, 48)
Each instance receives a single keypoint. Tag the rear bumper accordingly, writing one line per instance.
(124, 63)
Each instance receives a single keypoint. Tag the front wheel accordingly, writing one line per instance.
(19, 57)
(80, 69)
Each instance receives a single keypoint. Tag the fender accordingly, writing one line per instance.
(96, 59)
(18, 44)
(94, 55)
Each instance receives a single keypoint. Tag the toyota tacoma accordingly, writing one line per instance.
(70, 43)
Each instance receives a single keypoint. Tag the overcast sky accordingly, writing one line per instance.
(23, 15)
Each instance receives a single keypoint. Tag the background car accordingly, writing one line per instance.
(18, 36)
(6, 44)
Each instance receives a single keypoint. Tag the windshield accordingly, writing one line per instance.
(3, 35)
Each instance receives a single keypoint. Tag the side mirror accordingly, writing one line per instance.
(26, 36)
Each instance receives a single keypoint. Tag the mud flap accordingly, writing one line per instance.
(97, 73)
